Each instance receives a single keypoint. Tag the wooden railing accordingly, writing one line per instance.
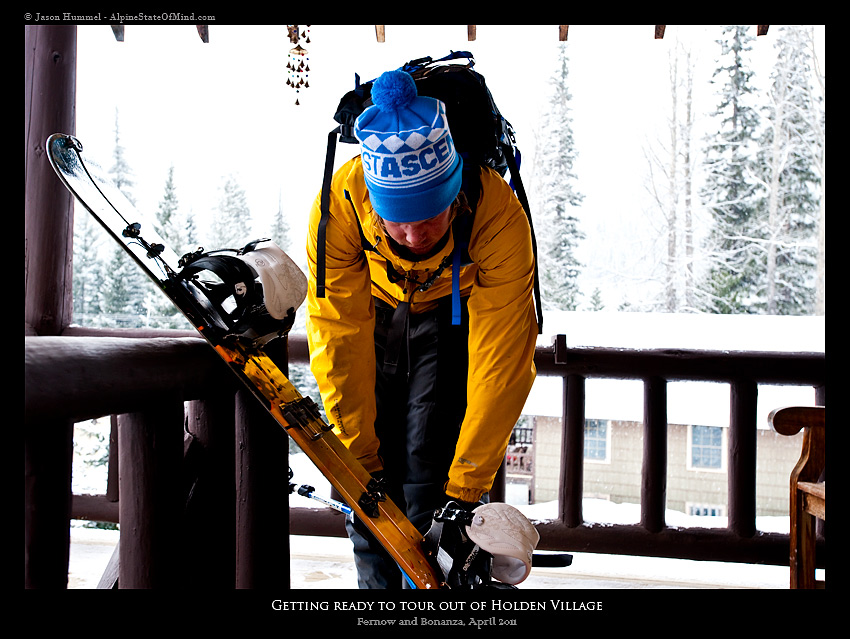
(203, 491)
(146, 381)
(744, 372)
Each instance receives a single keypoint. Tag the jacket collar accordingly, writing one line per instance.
(376, 236)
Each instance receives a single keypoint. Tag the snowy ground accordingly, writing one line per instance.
(326, 563)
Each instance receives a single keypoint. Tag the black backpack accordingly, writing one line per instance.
(481, 135)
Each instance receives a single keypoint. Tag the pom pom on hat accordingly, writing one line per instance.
(393, 90)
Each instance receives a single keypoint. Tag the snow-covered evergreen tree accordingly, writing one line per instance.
(817, 124)
(171, 229)
(168, 224)
(88, 270)
(231, 226)
(596, 301)
(125, 286)
(190, 232)
(729, 191)
(280, 229)
(120, 170)
(790, 183)
(556, 197)
(764, 185)
(124, 292)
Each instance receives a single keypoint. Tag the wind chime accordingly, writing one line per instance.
(298, 63)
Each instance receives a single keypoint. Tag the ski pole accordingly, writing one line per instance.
(308, 491)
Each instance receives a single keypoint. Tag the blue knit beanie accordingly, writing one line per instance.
(412, 169)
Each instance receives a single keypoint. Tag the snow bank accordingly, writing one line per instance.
(774, 333)
(702, 403)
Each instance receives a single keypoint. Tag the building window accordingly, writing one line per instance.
(522, 435)
(519, 457)
(706, 448)
(706, 510)
(596, 439)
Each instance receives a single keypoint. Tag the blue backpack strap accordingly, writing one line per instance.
(462, 231)
(456, 306)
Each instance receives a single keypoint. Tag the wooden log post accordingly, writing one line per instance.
(210, 511)
(150, 445)
(49, 95)
(742, 458)
(50, 58)
(571, 489)
(653, 495)
(48, 452)
(262, 497)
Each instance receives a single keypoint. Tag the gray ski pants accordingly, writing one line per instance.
(421, 400)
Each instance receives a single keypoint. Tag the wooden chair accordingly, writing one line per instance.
(808, 490)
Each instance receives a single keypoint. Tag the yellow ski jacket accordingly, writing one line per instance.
(502, 323)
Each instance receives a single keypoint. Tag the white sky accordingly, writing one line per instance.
(223, 108)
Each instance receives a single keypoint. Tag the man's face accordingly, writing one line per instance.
(420, 237)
